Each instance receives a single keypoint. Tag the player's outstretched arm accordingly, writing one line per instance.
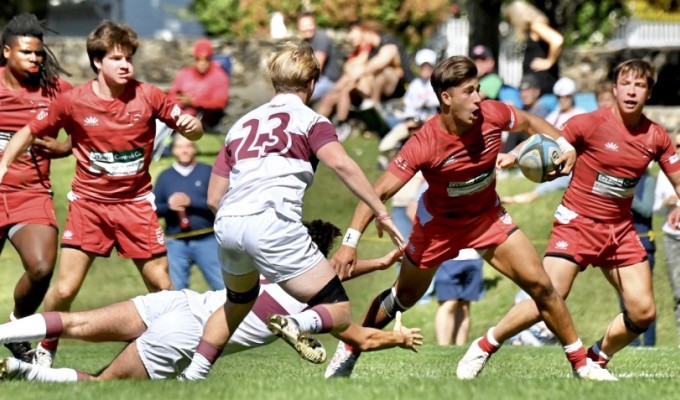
(371, 339)
(364, 267)
(217, 188)
(17, 145)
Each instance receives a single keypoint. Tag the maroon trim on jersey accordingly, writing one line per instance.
(267, 305)
(322, 133)
(221, 166)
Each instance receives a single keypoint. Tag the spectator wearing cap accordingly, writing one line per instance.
(529, 92)
(202, 89)
(490, 82)
(324, 51)
(564, 89)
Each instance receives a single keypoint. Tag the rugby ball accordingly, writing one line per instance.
(537, 158)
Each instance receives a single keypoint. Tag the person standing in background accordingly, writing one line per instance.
(324, 51)
(543, 43)
(182, 199)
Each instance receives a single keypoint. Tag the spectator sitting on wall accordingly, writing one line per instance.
(202, 89)
(324, 51)
(489, 81)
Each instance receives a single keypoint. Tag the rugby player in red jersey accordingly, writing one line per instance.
(29, 81)
(593, 224)
(457, 153)
(111, 122)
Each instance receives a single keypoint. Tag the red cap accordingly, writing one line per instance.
(203, 48)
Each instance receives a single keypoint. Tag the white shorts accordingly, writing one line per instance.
(172, 333)
(280, 249)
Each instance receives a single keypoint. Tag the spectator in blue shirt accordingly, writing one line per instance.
(181, 199)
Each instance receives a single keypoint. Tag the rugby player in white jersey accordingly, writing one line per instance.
(163, 329)
(259, 180)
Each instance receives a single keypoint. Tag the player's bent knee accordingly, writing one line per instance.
(40, 272)
(243, 297)
(332, 293)
(390, 303)
(638, 327)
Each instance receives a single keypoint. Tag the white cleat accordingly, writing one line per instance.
(342, 363)
(472, 362)
(593, 372)
(42, 356)
(306, 346)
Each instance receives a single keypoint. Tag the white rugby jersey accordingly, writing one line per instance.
(252, 332)
(270, 157)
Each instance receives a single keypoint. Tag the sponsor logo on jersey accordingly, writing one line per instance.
(41, 115)
(611, 146)
(68, 235)
(673, 159)
(562, 245)
(91, 121)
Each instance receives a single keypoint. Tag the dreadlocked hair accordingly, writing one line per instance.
(28, 25)
(323, 234)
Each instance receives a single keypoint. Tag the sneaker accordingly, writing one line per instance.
(593, 372)
(342, 363)
(20, 350)
(343, 130)
(307, 347)
(42, 356)
(472, 362)
(9, 369)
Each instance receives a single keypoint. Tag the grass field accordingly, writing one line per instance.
(276, 372)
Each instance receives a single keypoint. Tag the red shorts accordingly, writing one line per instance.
(589, 242)
(25, 208)
(441, 238)
(131, 226)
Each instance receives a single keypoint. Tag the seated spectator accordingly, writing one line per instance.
(379, 75)
(564, 89)
(530, 92)
(420, 104)
(490, 82)
(202, 89)
(324, 51)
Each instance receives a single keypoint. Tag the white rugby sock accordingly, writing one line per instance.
(198, 369)
(308, 321)
(38, 373)
(32, 327)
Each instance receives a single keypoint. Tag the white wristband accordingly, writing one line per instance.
(564, 145)
(351, 238)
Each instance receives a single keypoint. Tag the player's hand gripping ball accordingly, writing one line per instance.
(537, 158)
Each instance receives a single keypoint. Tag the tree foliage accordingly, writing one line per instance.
(10, 8)
(413, 20)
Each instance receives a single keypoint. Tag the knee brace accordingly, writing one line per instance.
(243, 297)
(390, 303)
(333, 292)
(631, 326)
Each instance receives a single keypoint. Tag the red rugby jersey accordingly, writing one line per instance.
(611, 159)
(112, 139)
(17, 108)
(460, 170)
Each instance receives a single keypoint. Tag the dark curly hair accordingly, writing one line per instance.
(323, 234)
(28, 25)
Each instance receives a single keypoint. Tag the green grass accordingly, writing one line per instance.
(276, 372)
